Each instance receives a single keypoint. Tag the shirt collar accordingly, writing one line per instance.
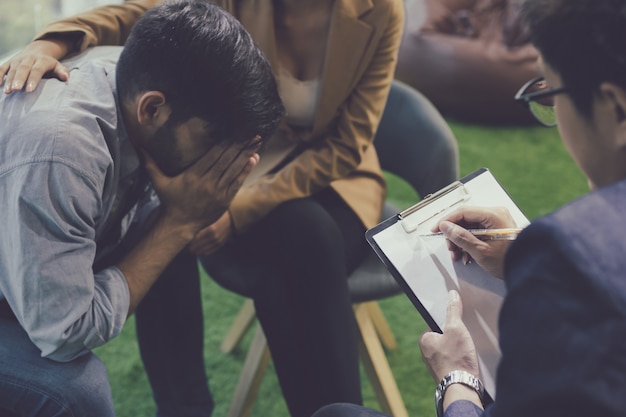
(129, 162)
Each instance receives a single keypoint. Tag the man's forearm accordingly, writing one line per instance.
(150, 257)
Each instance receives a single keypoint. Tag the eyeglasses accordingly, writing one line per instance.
(540, 100)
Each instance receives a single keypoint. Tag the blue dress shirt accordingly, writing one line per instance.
(64, 161)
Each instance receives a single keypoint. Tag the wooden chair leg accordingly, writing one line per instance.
(240, 326)
(376, 365)
(251, 376)
(381, 325)
(373, 329)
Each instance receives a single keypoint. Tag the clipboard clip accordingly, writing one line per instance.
(433, 205)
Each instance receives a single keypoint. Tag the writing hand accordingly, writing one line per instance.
(465, 246)
(29, 66)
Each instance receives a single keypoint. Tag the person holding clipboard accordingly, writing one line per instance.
(563, 320)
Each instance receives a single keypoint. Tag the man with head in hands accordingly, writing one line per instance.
(105, 179)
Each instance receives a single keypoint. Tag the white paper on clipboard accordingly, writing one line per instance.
(424, 268)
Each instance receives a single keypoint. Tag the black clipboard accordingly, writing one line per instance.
(424, 270)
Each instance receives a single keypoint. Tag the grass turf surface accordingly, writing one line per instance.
(531, 163)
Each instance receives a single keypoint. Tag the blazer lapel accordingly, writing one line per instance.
(348, 39)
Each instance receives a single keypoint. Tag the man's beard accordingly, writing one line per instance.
(162, 148)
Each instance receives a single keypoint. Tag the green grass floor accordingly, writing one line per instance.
(531, 164)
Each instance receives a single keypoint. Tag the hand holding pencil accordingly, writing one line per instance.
(479, 233)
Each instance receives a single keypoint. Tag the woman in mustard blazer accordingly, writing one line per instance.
(294, 231)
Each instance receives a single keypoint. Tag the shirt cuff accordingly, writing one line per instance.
(463, 408)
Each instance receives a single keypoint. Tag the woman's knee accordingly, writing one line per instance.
(304, 222)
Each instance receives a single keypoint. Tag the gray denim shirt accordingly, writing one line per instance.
(63, 154)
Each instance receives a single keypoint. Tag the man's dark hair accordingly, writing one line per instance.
(207, 66)
(584, 41)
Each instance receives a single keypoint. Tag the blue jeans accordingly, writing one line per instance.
(347, 410)
(34, 386)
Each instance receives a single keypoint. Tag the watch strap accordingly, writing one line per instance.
(457, 377)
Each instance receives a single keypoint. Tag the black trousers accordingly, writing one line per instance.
(293, 264)
(304, 251)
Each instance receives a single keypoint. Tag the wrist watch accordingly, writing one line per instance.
(457, 377)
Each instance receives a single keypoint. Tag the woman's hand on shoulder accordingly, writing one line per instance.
(29, 66)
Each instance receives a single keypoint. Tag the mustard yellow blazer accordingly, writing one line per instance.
(359, 66)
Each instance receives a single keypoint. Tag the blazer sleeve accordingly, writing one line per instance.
(561, 332)
(106, 25)
(340, 149)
